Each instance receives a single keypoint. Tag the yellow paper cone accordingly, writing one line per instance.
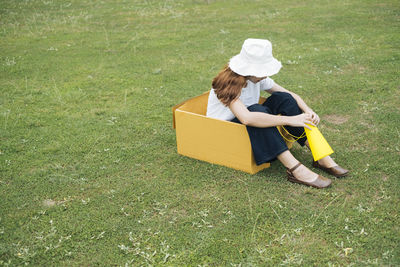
(318, 144)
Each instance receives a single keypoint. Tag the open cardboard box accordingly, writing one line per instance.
(216, 141)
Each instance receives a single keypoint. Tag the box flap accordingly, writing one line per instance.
(174, 108)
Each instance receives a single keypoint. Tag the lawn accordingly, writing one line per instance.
(89, 172)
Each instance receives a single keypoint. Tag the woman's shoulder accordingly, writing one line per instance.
(266, 83)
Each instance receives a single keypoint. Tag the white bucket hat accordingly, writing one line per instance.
(255, 59)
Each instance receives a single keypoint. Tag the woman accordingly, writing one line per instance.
(235, 95)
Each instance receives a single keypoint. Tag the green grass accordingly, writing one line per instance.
(89, 173)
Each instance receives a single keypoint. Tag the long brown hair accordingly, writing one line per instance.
(228, 85)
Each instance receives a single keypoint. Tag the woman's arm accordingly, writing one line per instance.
(263, 120)
(303, 106)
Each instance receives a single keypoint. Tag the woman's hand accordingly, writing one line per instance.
(314, 117)
(301, 121)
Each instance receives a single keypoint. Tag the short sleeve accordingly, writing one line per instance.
(266, 84)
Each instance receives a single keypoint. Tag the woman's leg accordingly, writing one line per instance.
(326, 162)
(283, 103)
(328, 165)
(302, 172)
(265, 140)
(266, 143)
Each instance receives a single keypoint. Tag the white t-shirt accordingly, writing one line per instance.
(249, 96)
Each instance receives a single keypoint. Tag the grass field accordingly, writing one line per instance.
(89, 173)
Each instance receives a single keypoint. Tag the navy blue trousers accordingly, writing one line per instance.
(267, 143)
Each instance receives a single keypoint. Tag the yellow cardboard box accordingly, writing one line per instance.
(212, 140)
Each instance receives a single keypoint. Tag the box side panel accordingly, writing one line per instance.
(197, 105)
(173, 113)
(215, 141)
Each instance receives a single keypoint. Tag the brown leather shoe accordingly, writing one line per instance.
(320, 182)
(336, 171)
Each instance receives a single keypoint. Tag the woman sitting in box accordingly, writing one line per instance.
(235, 95)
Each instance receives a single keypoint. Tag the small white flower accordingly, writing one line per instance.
(10, 62)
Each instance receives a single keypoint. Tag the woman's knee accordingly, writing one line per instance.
(284, 97)
(284, 103)
(278, 98)
(258, 108)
